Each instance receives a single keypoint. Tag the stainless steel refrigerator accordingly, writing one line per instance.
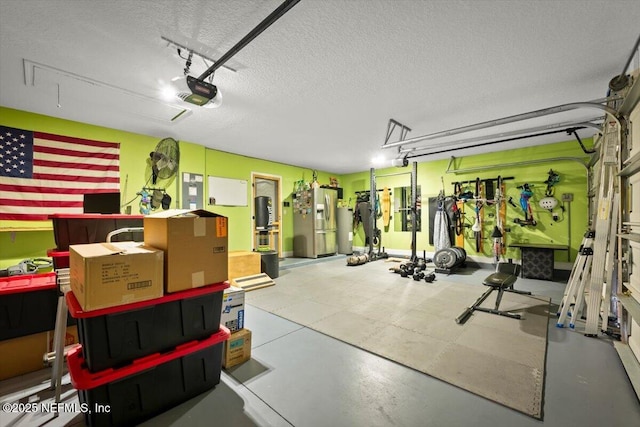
(314, 222)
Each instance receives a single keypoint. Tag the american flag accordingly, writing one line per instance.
(43, 174)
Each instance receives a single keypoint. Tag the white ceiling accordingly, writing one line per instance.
(318, 87)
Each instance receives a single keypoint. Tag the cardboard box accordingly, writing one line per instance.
(243, 263)
(195, 244)
(25, 354)
(110, 274)
(233, 308)
(237, 349)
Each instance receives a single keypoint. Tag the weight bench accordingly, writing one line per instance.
(502, 281)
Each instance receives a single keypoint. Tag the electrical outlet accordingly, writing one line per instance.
(567, 197)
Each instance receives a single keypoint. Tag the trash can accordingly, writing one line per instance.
(344, 223)
(269, 263)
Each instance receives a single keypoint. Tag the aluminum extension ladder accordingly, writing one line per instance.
(591, 278)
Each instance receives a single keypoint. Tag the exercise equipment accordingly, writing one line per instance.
(357, 259)
(449, 259)
(498, 234)
(502, 281)
(372, 232)
(477, 226)
(441, 226)
(416, 269)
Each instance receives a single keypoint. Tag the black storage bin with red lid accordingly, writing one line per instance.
(114, 336)
(148, 386)
(80, 229)
(27, 304)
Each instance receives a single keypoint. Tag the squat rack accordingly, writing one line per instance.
(412, 209)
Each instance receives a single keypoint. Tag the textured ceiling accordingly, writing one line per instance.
(318, 87)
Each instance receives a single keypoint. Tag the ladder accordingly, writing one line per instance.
(590, 281)
(574, 292)
(605, 237)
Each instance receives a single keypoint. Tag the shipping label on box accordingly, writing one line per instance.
(237, 349)
(195, 244)
(233, 308)
(110, 274)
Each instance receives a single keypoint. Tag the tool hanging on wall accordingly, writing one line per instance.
(458, 214)
(525, 195)
(498, 234)
(477, 226)
(549, 202)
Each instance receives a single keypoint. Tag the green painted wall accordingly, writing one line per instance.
(17, 244)
(229, 165)
(432, 175)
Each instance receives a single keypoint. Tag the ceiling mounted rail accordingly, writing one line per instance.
(512, 119)
(515, 164)
(266, 23)
(585, 124)
(568, 130)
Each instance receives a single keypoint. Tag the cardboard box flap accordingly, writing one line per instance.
(175, 213)
(93, 250)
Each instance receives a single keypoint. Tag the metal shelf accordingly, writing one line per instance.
(631, 305)
(632, 166)
(634, 237)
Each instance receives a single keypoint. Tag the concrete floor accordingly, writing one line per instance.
(300, 377)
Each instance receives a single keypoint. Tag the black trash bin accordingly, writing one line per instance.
(269, 263)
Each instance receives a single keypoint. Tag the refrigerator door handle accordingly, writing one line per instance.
(327, 214)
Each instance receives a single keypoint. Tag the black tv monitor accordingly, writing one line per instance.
(103, 203)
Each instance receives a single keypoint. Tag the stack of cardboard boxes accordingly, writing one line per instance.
(160, 303)
(237, 349)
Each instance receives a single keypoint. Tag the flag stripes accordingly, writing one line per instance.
(43, 174)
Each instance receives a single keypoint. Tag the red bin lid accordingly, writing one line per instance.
(77, 312)
(95, 216)
(83, 379)
(27, 283)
